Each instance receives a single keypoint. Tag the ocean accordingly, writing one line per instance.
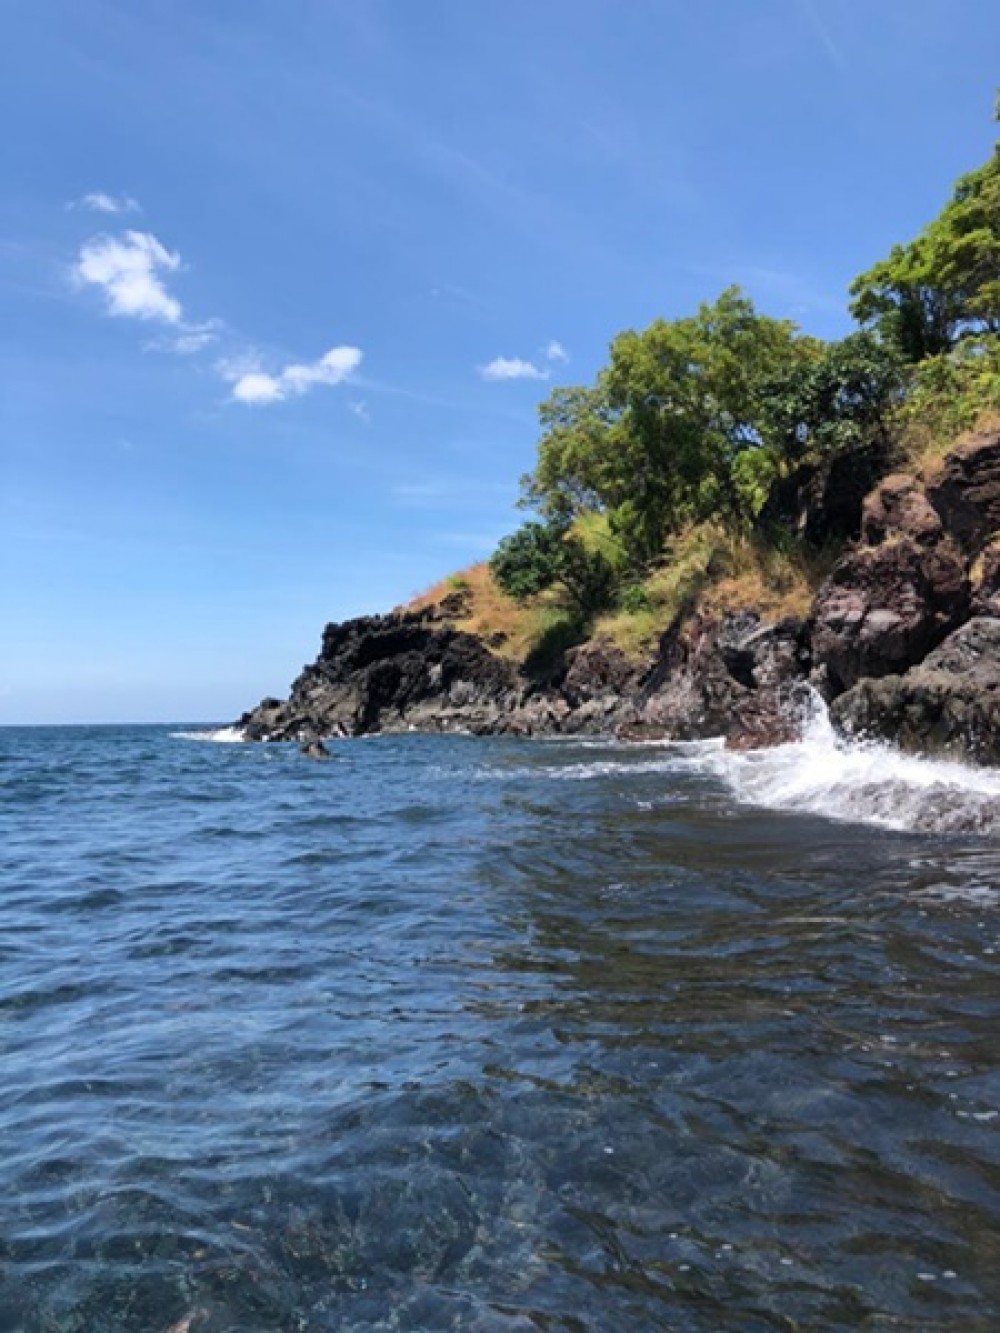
(495, 1035)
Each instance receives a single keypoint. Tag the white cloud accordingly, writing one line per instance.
(196, 337)
(257, 387)
(108, 203)
(189, 338)
(556, 352)
(127, 270)
(512, 368)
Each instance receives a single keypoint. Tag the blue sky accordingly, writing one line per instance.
(282, 285)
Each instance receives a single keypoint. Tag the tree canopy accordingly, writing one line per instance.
(945, 283)
(670, 430)
(701, 417)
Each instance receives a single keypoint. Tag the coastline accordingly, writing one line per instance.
(902, 641)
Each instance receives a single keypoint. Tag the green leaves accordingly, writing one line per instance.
(539, 556)
(655, 443)
(945, 284)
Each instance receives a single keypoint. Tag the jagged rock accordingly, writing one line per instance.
(986, 583)
(899, 507)
(966, 491)
(724, 676)
(598, 670)
(884, 608)
(948, 705)
(390, 673)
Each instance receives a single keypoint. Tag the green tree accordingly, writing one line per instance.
(944, 284)
(539, 556)
(839, 401)
(673, 428)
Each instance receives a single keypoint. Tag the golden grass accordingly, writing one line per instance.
(508, 628)
(923, 449)
(706, 568)
(711, 569)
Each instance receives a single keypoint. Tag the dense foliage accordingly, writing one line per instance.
(539, 556)
(707, 417)
(945, 284)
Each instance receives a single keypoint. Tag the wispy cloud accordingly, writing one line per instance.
(196, 337)
(259, 388)
(794, 292)
(98, 202)
(512, 368)
(360, 409)
(812, 16)
(128, 271)
(189, 339)
(556, 352)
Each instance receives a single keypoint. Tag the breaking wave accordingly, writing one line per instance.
(219, 735)
(823, 774)
(863, 782)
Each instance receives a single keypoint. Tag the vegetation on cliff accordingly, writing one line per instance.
(724, 455)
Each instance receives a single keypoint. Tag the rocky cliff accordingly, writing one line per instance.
(903, 640)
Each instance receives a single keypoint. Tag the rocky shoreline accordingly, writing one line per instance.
(902, 640)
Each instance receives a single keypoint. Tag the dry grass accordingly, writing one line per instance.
(511, 630)
(706, 567)
(923, 449)
(714, 570)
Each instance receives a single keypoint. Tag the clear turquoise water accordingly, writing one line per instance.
(488, 1035)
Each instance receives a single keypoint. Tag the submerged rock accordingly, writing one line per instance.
(314, 750)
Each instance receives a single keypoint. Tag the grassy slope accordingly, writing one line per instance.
(706, 568)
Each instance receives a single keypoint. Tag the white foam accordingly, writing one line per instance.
(220, 736)
(822, 774)
(870, 783)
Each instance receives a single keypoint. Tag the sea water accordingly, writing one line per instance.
(452, 1033)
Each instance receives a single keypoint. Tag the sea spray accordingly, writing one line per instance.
(863, 781)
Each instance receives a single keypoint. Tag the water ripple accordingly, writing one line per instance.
(493, 1035)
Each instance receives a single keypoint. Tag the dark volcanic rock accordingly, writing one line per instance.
(821, 503)
(899, 507)
(390, 673)
(948, 705)
(986, 584)
(599, 687)
(966, 492)
(883, 608)
(732, 676)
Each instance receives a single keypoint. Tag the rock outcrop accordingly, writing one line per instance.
(392, 672)
(966, 491)
(732, 676)
(884, 607)
(948, 705)
(898, 507)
